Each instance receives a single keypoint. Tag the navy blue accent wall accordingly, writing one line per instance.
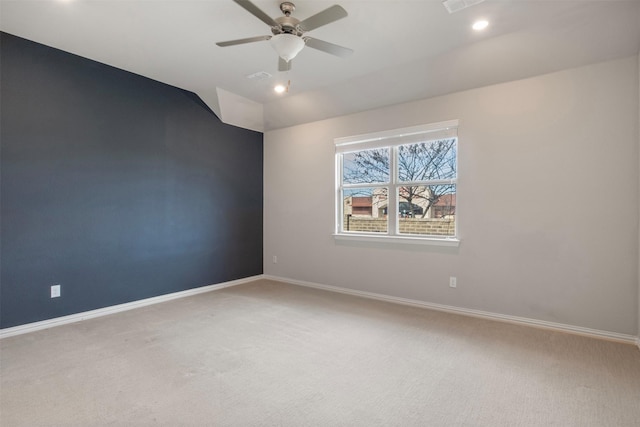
(115, 186)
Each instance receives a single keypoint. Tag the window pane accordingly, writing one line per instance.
(365, 210)
(367, 166)
(427, 160)
(427, 210)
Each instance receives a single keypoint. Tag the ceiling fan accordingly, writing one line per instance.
(288, 37)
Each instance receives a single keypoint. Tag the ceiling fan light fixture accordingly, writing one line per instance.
(287, 45)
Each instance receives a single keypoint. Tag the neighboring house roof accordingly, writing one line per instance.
(360, 202)
(446, 200)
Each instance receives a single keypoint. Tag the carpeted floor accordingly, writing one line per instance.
(271, 354)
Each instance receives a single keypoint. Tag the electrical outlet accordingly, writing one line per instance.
(452, 282)
(55, 291)
(275, 259)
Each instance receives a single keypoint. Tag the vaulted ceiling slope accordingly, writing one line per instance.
(404, 49)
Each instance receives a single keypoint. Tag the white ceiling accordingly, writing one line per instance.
(404, 49)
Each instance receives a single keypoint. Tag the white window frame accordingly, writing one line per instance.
(392, 139)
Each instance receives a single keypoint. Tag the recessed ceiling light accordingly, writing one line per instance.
(281, 88)
(480, 25)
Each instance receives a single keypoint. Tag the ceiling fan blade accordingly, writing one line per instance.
(243, 41)
(325, 17)
(257, 12)
(331, 48)
(283, 65)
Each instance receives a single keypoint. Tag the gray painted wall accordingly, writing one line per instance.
(547, 201)
(117, 187)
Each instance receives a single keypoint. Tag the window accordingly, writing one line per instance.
(412, 170)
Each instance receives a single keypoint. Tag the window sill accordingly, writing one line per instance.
(429, 241)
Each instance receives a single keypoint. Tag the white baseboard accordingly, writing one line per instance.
(78, 317)
(576, 330)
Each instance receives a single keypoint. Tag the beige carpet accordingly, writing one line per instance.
(271, 354)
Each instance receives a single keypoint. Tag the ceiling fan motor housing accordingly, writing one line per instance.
(287, 24)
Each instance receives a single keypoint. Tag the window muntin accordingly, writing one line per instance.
(414, 170)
